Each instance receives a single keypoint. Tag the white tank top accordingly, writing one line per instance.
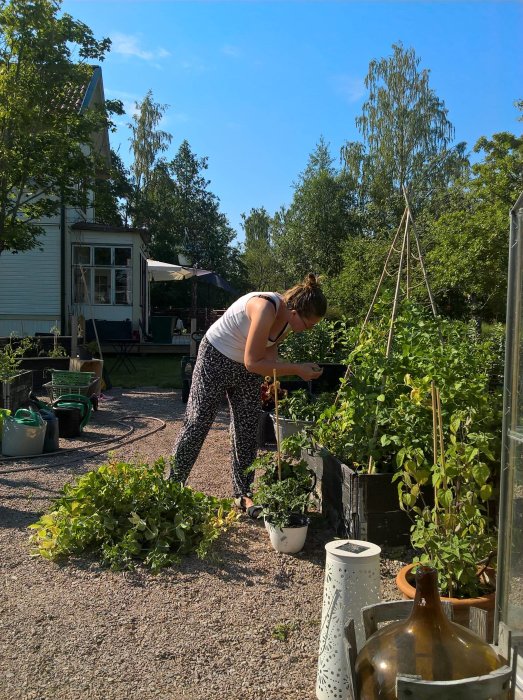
(229, 333)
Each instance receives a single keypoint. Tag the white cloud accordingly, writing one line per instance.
(352, 89)
(129, 45)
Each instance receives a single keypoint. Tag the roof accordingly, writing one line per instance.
(105, 228)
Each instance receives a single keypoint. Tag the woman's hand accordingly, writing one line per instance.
(308, 370)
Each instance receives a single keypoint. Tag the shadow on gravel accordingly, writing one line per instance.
(13, 518)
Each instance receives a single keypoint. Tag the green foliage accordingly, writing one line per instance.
(300, 405)
(258, 256)
(282, 499)
(325, 342)
(321, 217)
(43, 130)
(282, 630)
(130, 512)
(382, 406)
(452, 533)
(11, 357)
(468, 242)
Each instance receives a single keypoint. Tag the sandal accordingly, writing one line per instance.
(252, 512)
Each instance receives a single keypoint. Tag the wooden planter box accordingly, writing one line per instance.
(15, 392)
(40, 367)
(359, 506)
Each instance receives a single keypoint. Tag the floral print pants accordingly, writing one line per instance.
(215, 376)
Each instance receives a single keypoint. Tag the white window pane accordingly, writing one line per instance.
(80, 293)
(123, 287)
(81, 255)
(102, 286)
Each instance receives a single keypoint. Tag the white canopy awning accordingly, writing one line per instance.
(166, 272)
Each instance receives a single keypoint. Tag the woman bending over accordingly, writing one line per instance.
(236, 352)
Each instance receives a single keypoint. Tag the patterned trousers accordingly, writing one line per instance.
(215, 376)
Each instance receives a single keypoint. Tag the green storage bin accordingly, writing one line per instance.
(161, 328)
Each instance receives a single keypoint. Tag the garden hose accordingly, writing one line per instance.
(117, 439)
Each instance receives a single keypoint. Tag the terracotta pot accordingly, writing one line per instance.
(461, 606)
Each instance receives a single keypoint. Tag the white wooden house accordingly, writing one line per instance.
(81, 268)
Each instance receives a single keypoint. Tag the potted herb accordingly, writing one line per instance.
(452, 530)
(267, 395)
(283, 488)
(299, 411)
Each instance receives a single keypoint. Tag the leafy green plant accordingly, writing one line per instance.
(300, 405)
(282, 630)
(130, 512)
(452, 533)
(282, 499)
(374, 417)
(325, 342)
(11, 356)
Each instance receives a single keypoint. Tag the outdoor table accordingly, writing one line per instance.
(122, 348)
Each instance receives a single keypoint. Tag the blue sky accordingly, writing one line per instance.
(253, 85)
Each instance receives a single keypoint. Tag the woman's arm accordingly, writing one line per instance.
(259, 358)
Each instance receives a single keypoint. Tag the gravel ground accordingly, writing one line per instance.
(205, 629)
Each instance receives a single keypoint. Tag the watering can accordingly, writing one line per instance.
(23, 434)
(73, 412)
(51, 442)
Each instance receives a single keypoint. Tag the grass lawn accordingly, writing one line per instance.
(151, 370)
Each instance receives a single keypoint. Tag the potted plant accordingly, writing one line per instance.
(15, 384)
(452, 531)
(283, 489)
(299, 411)
(267, 394)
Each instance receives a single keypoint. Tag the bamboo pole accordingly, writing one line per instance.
(384, 272)
(397, 292)
(441, 447)
(434, 440)
(278, 452)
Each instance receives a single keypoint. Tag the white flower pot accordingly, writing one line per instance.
(288, 540)
(288, 427)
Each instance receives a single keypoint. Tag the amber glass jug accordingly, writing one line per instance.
(426, 644)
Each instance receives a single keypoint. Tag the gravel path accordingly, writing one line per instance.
(203, 630)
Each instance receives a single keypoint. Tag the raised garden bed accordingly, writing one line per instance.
(15, 391)
(359, 506)
(40, 367)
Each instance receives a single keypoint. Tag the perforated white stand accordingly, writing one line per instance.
(352, 581)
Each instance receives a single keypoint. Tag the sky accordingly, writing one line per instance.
(253, 86)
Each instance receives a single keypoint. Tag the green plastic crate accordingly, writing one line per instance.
(71, 378)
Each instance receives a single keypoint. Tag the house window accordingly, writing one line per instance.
(102, 275)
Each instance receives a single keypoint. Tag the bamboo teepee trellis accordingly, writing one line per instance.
(406, 233)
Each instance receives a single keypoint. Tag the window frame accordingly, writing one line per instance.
(94, 273)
